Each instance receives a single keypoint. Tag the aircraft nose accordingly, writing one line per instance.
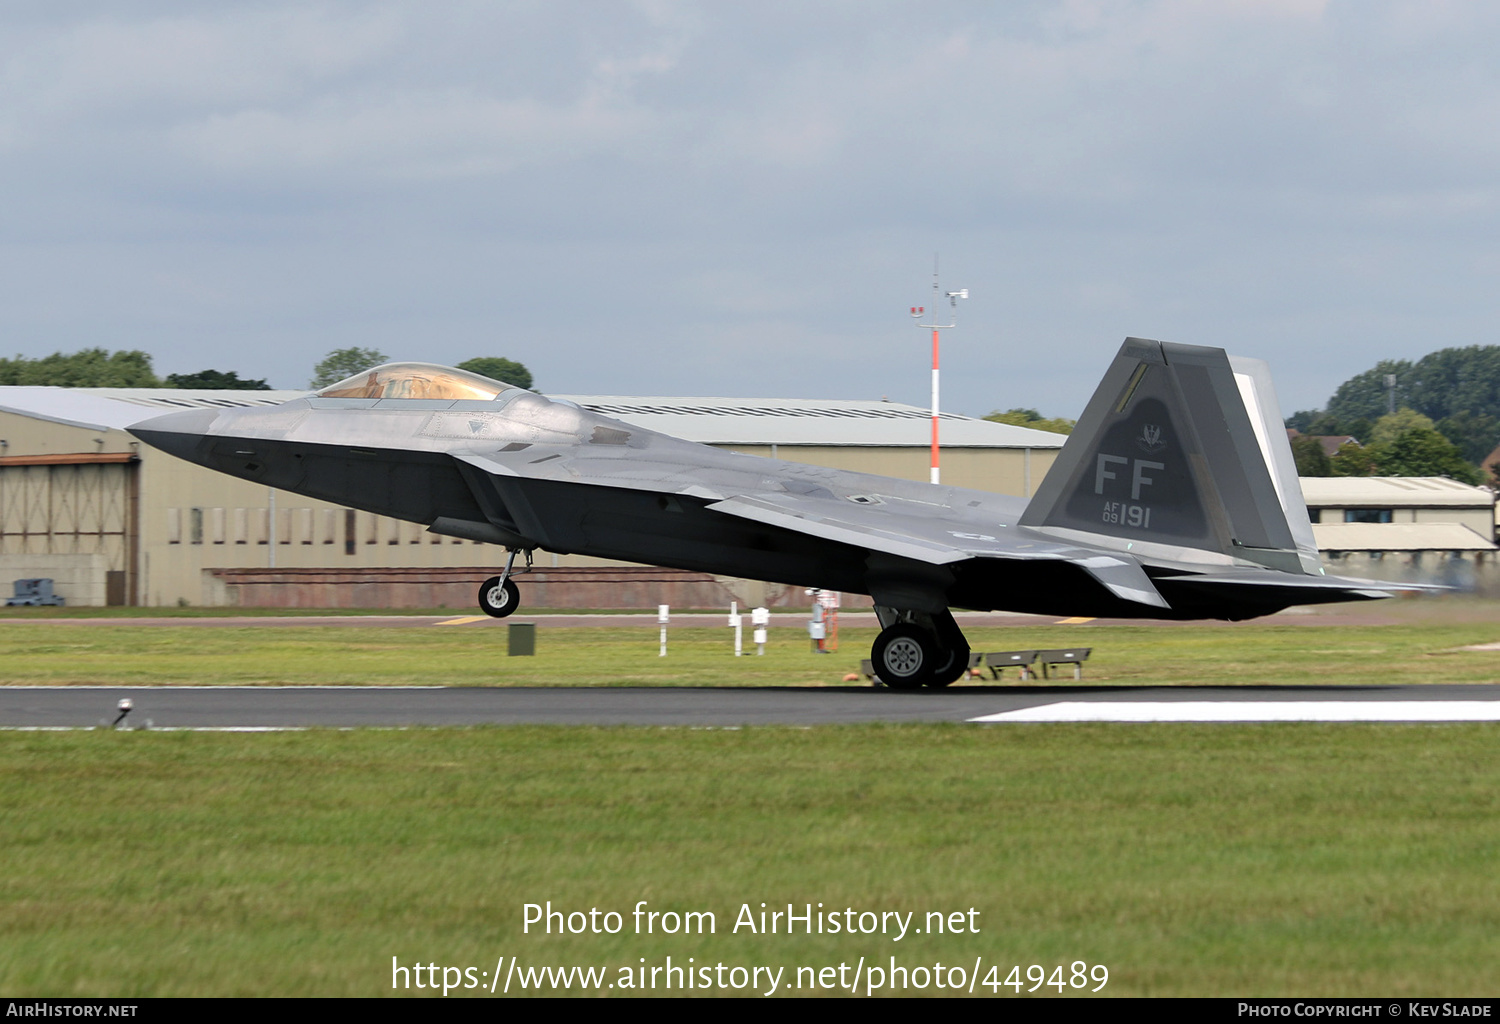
(177, 433)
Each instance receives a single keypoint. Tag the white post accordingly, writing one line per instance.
(736, 620)
(271, 527)
(760, 618)
(662, 616)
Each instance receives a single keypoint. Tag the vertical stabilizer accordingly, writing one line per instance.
(1178, 448)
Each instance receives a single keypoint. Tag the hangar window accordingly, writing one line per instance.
(1367, 515)
(416, 380)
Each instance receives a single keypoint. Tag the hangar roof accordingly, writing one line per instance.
(1391, 491)
(806, 421)
(1398, 537)
(117, 408)
(788, 421)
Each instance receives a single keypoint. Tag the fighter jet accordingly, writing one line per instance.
(1176, 497)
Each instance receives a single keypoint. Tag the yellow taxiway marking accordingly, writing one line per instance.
(462, 621)
(1074, 621)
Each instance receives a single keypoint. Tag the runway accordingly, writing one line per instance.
(287, 707)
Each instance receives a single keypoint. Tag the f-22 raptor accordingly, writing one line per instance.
(1176, 497)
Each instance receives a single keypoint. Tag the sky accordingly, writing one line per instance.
(727, 199)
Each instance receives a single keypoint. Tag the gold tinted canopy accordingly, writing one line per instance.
(416, 380)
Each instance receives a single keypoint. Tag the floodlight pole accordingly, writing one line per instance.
(917, 311)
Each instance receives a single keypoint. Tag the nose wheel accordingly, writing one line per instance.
(499, 596)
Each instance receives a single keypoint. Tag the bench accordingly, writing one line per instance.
(998, 660)
(1074, 656)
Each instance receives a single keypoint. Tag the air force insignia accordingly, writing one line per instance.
(1150, 440)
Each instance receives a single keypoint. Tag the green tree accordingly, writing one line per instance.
(1475, 434)
(88, 368)
(1422, 452)
(1033, 419)
(345, 362)
(213, 380)
(1459, 388)
(495, 368)
(1402, 421)
(1310, 457)
(1366, 395)
(1352, 460)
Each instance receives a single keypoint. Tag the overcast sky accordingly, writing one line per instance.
(744, 199)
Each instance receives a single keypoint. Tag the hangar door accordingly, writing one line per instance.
(69, 505)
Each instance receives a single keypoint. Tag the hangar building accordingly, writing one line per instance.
(114, 521)
(1417, 529)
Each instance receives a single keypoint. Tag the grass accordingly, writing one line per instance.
(476, 655)
(1254, 860)
(1190, 860)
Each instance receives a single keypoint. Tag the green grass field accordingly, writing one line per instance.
(1189, 860)
(57, 653)
(1263, 860)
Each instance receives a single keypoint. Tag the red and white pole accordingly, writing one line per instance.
(935, 470)
(917, 312)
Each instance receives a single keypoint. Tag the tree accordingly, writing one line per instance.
(88, 368)
(495, 368)
(1310, 457)
(1457, 387)
(1475, 434)
(1422, 452)
(1352, 460)
(213, 380)
(1393, 425)
(345, 362)
(1033, 419)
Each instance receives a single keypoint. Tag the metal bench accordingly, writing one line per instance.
(1074, 656)
(998, 660)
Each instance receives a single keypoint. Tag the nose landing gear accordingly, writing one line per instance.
(499, 596)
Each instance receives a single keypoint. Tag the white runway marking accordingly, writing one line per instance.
(1256, 711)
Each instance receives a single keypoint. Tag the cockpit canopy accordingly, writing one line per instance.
(417, 380)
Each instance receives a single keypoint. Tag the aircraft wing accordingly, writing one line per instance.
(922, 536)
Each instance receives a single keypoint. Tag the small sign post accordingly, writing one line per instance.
(736, 622)
(663, 613)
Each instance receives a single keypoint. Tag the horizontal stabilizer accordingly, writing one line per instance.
(1123, 577)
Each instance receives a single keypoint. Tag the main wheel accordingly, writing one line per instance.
(954, 668)
(498, 600)
(906, 656)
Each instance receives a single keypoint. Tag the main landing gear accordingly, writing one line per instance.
(499, 595)
(917, 649)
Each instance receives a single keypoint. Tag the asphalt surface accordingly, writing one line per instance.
(233, 707)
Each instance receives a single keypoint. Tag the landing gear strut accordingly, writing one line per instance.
(499, 595)
(917, 649)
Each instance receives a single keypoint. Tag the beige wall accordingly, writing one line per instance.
(25, 435)
(1479, 518)
(998, 470)
(78, 578)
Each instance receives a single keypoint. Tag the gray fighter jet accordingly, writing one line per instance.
(1175, 497)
